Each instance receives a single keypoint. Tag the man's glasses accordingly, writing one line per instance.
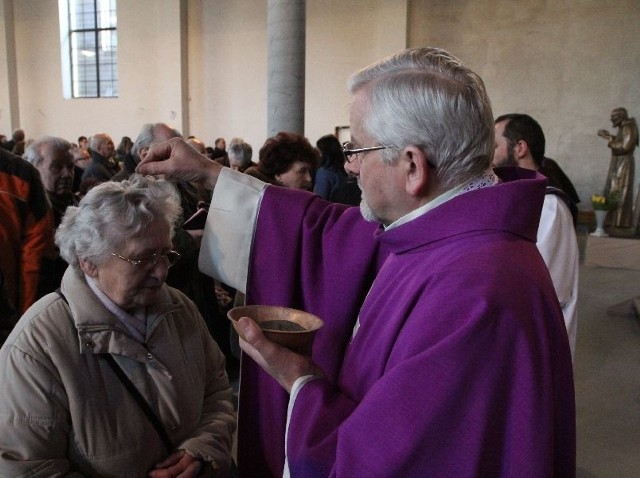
(170, 258)
(351, 153)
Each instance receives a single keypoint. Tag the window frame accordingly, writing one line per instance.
(72, 75)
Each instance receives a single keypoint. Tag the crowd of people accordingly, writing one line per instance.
(69, 170)
(59, 180)
(448, 296)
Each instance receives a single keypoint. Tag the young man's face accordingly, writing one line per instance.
(502, 155)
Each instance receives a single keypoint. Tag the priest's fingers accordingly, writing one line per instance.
(281, 363)
(178, 160)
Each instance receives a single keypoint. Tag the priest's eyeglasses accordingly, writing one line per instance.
(351, 153)
(169, 258)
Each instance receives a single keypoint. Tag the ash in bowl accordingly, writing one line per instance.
(284, 325)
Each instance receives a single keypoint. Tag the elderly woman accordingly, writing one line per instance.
(115, 374)
(286, 159)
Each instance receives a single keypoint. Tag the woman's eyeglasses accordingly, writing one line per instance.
(170, 258)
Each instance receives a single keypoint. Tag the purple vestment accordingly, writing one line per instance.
(460, 366)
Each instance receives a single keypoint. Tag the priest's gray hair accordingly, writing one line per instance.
(110, 213)
(425, 97)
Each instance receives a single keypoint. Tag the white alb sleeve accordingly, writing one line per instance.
(558, 246)
(230, 227)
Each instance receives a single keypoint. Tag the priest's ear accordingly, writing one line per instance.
(417, 169)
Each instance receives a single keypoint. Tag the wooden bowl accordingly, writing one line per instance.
(291, 328)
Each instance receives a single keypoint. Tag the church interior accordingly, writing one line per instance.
(202, 66)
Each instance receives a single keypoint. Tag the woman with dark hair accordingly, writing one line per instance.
(331, 174)
(286, 159)
(123, 150)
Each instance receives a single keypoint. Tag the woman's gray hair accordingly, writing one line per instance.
(110, 213)
(425, 97)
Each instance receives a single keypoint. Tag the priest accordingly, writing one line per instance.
(444, 352)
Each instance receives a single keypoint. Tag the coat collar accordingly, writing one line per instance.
(99, 331)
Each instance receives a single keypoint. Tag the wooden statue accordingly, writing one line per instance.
(620, 177)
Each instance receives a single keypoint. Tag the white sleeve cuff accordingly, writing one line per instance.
(295, 389)
(228, 233)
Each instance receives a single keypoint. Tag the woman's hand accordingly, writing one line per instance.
(177, 465)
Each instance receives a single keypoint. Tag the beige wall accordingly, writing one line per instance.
(9, 112)
(149, 59)
(567, 63)
(228, 62)
(227, 69)
(227, 65)
(342, 37)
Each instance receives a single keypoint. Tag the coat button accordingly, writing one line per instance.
(150, 357)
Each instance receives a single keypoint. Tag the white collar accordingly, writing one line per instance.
(487, 179)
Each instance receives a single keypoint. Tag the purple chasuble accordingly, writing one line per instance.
(461, 365)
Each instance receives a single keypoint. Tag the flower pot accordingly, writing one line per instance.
(600, 216)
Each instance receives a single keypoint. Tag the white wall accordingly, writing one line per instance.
(227, 65)
(228, 62)
(9, 113)
(343, 37)
(567, 63)
(149, 72)
(5, 119)
(227, 70)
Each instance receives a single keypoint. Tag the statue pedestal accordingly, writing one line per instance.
(612, 252)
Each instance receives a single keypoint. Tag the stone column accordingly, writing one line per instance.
(9, 105)
(286, 60)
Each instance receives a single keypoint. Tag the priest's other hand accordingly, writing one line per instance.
(281, 363)
(176, 159)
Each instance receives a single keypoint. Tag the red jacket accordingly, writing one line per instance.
(26, 229)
